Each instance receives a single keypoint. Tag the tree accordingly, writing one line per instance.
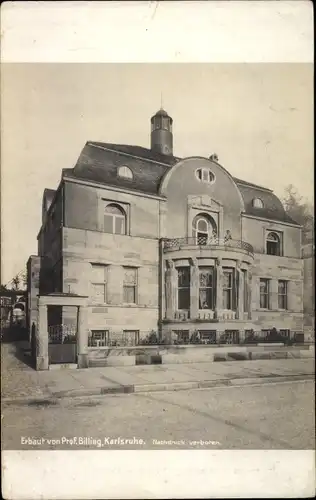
(24, 279)
(16, 281)
(300, 210)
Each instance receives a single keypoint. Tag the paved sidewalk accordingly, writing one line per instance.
(21, 382)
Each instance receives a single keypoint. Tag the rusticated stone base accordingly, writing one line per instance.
(83, 361)
(42, 363)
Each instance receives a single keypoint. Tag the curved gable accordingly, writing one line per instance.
(198, 161)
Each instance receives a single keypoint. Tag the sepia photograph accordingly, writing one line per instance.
(157, 257)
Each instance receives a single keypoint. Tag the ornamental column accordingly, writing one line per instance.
(82, 337)
(194, 289)
(219, 288)
(42, 361)
(239, 291)
(170, 288)
(249, 293)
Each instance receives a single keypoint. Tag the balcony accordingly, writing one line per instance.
(174, 244)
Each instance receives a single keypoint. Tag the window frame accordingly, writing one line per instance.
(136, 339)
(283, 296)
(204, 237)
(207, 288)
(128, 286)
(125, 208)
(254, 200)
(229, 290)
(204, 174)
(105, 341)
(103, 283)
(278, 242)
(122, 170)
(183, 288)
(265, 295)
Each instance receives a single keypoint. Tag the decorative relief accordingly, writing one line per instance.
(193, 262)
(203, 201)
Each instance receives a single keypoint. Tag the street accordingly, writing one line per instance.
(272, 416)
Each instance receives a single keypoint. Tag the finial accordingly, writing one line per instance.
(161, 106)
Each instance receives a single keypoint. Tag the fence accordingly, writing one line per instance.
(213, 241)
(106, 338)
(62, 334)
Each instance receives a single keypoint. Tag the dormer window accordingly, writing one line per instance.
(125, 172)
(205, 175)
(257, 203)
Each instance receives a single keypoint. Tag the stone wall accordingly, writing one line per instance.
(309, 291)
(142, 211)
(254, 231)
(278, 268)
(33, 284)
(83, 248)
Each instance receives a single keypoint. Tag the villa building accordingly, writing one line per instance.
(174, 246)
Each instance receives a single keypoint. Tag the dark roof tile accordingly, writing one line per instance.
(99, 161)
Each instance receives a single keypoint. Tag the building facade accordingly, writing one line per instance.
(174, 246)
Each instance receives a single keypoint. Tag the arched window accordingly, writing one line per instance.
(205, 175)
(125, 172)
(204, 229)
(114, 219)
(273, 244)
(257, 203)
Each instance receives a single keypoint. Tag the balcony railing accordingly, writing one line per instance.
(203, 241)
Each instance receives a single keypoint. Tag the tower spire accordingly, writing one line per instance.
(161, 132)
(161, 101)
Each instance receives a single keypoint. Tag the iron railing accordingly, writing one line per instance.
(185, 337)
(113, 339)
(211, 242)
(62, 334)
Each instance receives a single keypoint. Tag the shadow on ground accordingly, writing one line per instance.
(21, 348)
(23, 353)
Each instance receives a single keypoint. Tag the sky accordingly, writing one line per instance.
(258, 119)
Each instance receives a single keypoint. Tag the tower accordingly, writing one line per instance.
(161, 133)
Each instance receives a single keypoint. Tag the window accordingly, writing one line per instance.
(257, 203)
(282, 294)
(228, 289)
(273, 244)
(184, 288)
(264, 293)
(204, 229)
(99, 283)
(205, 175)
(114, 219)
(130, 337)
(285, 333)
(182, 336)
(130, 285)
(207, 336)
(206, 289)
(98, 338)
(125, 172)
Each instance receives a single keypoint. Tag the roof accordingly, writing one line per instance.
(98, 163)
(161, 112)
(272, 206)
(140, 152)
